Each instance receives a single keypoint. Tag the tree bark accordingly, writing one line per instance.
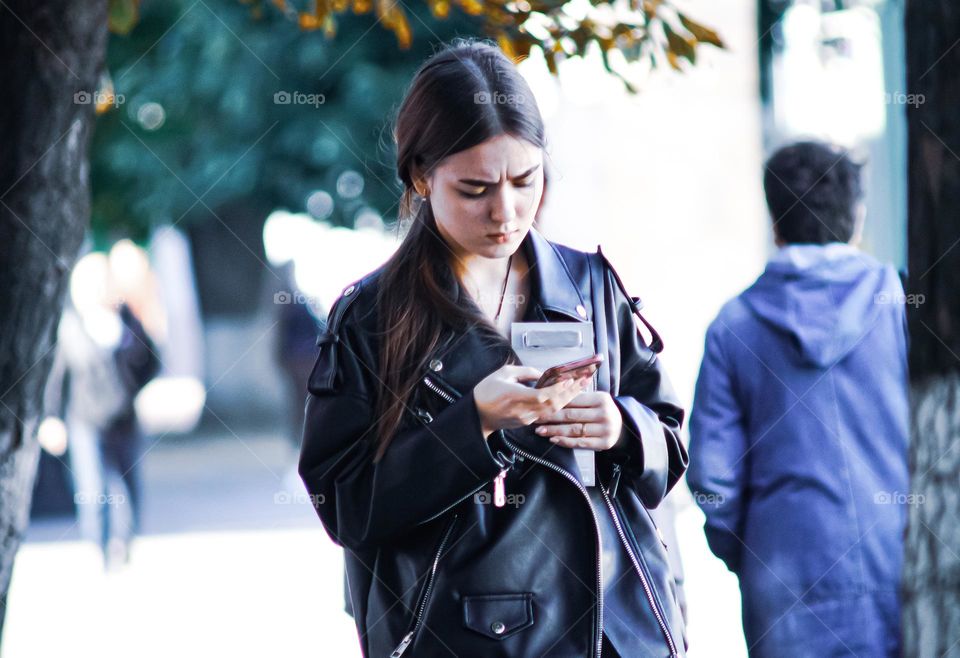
(50, 52)
(931, 601)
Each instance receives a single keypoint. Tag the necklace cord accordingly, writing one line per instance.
(503, 291)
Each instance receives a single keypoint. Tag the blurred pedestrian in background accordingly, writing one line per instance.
(295, 351)
(799, 425)
(104, 358)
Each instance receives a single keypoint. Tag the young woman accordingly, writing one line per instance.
(419, 411)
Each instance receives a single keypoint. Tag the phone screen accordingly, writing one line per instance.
(571, 370)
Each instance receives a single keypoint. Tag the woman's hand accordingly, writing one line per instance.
(592, 420)
(504, 403)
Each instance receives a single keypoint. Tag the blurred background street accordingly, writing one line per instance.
(232, 561)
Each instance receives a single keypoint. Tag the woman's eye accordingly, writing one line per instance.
(482, 190)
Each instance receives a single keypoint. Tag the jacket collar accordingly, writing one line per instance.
(551, 284)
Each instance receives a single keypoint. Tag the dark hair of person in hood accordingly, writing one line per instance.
(813, 191)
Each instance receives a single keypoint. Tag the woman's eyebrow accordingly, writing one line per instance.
(483, 183)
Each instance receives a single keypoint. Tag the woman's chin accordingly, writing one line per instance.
(498, 251)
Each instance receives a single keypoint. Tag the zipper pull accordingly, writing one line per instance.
(499, 490)
(404, 643)
(614, 480)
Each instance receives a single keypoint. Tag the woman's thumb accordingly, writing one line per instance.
(522, 373)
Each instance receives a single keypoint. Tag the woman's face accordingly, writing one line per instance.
(485, 198)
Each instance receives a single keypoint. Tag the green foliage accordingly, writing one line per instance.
(197, 122)
(219, 100)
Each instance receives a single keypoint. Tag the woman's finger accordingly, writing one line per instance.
(588, 443)
(588, 399)
(567, 390)
(567, 396)
(555, 391)
(539, 401)
(521, 373)
(574, 430)
(528, 418)
(570, 414)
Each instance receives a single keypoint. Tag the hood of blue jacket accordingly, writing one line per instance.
(826, 297)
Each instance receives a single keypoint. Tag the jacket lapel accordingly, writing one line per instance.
(552, 284)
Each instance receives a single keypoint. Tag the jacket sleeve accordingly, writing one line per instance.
(651, 452)
(426, 469)
(718, 448)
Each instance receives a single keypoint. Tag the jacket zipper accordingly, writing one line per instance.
(433, 386)
(614, 480)
(502, 461)
(596, 523)
(499, 490)
(498, 486)
(643, 577)
(408, 638)
(499, 482)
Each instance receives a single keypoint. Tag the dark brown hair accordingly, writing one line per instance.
(813, 189)
(465, 94)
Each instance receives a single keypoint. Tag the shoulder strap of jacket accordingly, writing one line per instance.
(325, 368)
(656, 342)
(601, 336)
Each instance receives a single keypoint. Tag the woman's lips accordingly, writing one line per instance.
(501, 237)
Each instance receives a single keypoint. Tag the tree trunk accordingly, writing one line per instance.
(931, 604)
(50, 52)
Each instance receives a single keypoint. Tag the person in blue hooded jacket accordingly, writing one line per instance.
(798, 433)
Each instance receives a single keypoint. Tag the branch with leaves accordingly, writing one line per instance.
(640, 30)
(648, 31)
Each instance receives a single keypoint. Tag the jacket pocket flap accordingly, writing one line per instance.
(498, 615)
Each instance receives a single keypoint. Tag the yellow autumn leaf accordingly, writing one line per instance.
(308, 21)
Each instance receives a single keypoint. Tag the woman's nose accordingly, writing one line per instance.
(503, 210)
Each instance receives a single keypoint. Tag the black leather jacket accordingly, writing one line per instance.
(433, 568)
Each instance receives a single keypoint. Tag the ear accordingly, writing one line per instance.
(777, 240)
(420, 183)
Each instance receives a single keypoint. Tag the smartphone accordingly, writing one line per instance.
(570, 370)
